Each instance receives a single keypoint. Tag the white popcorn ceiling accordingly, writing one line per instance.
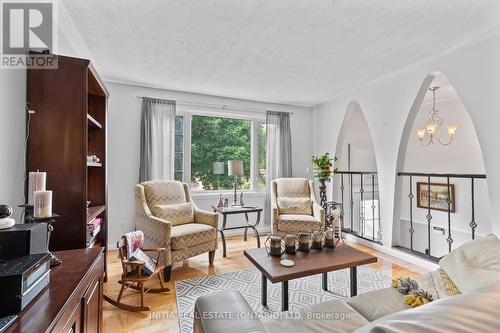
(289, 51)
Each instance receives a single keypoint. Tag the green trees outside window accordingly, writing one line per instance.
(217, 139)
(202, 140)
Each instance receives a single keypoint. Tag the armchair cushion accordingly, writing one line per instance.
(297, 206)
(177, 214)
(292, 187)
(166, 192)
(296, 223)
(191, 234)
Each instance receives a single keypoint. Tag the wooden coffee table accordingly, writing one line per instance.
(306, 264)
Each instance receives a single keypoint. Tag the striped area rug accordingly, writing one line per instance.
(304, 291)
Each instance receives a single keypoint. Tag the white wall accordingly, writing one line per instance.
(12, 133)
(355, 132)
(123, 148)
(387, 103)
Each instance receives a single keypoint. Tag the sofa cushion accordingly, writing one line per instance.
(209, 310)
(295, 223)
(476, 311)
(165, 192)
(333, 316)
(191, 234)
(474, 264)
(297, 206)
(292, 187)
(378, 303)
(177, 214)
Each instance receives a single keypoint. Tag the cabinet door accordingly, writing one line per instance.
(92, 305)
(74, 324)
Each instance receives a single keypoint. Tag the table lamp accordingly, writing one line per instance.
(218, 168)
(235, 169)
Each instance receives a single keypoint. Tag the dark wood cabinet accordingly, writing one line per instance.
(74, 323)
(72, 302)
(92, 307)
(68, 125)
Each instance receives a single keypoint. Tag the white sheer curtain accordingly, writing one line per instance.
(157, 139)
(278, 153)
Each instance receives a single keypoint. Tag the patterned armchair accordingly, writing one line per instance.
(170, 219)
(294, 206)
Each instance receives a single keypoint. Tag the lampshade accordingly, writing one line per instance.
(421, 133)
(235, 168)
(452, 129)
(218, 168)
(431, 128)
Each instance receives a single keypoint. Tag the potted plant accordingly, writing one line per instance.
(323, 167)
(323, 171)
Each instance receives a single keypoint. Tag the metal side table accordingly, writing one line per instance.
(225, 211)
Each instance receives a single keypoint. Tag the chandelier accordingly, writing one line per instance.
(431, 133)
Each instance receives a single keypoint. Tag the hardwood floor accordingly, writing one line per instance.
(164, 305)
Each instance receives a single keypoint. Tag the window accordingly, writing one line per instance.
(204, 143)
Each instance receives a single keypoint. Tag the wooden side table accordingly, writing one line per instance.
(225, 211)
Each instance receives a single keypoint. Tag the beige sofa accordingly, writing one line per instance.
(170, 219)
(373, 312)
(294, 206)
(474, 267)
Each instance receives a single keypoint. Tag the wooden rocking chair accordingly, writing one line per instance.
(134, 278)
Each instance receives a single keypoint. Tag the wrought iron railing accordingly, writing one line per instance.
(448, 209)
(358, 189)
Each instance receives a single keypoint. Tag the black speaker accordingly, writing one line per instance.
(22, 240)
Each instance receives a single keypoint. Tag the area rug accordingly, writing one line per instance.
(302, 292)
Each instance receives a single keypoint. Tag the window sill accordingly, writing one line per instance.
(213, 194)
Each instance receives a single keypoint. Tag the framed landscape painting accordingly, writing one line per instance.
(438, 195)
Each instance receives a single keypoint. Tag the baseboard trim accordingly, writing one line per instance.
(392, 252)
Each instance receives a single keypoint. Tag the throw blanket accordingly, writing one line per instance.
(133, 240)
(474, 264)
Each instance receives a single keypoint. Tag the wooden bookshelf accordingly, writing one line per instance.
(69, 124)
(92, 122)
(94, 212)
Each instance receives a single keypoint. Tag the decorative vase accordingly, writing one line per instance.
(304, 241)
(290, 244)
(330, 238)
(274, 245)
(317, 240)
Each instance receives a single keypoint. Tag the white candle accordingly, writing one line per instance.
(43, 204)
(37, 181)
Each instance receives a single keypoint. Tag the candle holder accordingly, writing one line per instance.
(330, 239)
(304, 241)
(49, 220)
(318, 239)
(274, 245)
(291, 242)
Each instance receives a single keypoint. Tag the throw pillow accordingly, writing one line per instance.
(474, 264)
(177, 214)
(296, 206)
(438, 284)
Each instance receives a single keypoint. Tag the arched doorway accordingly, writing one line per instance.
(432, 156)
(355, 185)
